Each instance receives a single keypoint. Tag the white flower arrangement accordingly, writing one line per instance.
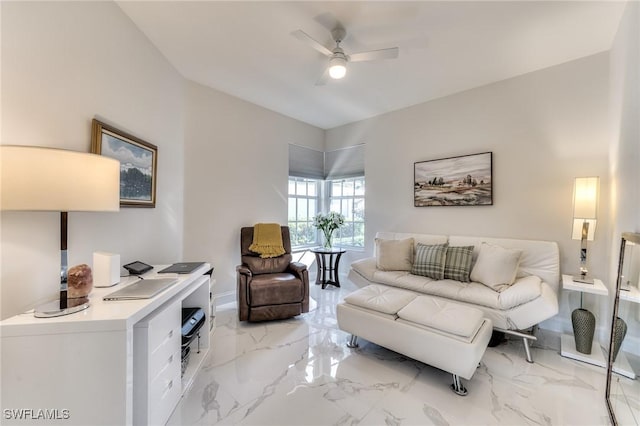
(327, 224)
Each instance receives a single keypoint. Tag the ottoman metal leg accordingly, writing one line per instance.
(525, 341)
(353, 341)
(457, 386)
(527, 351)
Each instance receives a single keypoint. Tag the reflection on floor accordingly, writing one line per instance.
(299, 372)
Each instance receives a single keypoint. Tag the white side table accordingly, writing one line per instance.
(567, 342)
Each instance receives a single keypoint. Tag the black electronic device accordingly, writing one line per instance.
(137, 268)
(192, 320)
(181, 268)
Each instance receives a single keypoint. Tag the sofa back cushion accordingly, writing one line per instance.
(394, 255)
(427, 239)
(430, 260)
(539, 258)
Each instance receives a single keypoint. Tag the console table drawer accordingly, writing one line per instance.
(163, 327)
(164, 392)
(165, 354)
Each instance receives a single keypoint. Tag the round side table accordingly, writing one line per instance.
(328, 260)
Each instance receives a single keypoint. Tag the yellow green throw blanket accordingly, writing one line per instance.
(267, 240)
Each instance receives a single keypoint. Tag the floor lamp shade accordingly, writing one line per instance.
(47, 179)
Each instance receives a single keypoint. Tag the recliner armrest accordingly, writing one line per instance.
(242, 269)
(297, 267)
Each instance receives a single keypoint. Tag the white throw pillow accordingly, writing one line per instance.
(496, 266)
(394, 255)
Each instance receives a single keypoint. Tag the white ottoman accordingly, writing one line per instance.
(437, 332)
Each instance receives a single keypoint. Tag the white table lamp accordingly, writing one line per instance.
(585, 206)
(47, 179)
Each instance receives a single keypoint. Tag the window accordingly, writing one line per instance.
(304, 200)
(322, 181)
(347, 197)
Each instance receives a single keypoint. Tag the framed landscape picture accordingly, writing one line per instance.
(138, 163)
(455, 181)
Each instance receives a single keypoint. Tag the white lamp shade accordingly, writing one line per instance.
(47, 179)
(337, 67)
(585, 198)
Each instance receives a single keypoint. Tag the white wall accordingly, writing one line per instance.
(625, 153)
(544, 129)
(64, 63)
(236, 173)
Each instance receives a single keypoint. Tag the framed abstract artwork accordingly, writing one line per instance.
(455, 181)
(138, 163)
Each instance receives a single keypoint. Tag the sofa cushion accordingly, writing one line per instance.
(381, 298)
(522, 291)
(457, 265)
(441, 315)
(394, 255)
(429, 261)
(496, 266)
(365, 267)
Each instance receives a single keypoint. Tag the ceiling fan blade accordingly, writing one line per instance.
(306, 38)
(324, 78)
(373, 55)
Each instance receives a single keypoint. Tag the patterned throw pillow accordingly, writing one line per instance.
(457, 264)
(430, 260)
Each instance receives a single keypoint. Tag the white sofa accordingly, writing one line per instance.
(531, 299)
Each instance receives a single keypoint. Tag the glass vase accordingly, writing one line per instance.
(328, 239)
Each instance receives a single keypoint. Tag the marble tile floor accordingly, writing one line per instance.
(299, 372)
(625, 396)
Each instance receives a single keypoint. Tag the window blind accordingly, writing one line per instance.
(306, 162)
(344, 163)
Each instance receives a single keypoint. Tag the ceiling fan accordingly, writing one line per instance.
(337, 67)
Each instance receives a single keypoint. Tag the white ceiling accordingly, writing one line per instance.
(246, 49)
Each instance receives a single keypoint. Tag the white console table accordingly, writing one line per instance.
(80, 367)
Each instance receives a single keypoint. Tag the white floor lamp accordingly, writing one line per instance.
(47, 179)
(585, 206)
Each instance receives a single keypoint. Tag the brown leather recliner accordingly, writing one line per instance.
(271, 288)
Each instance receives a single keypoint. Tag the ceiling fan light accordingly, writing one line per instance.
(337, 68)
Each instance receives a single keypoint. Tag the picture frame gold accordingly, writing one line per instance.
(138, 163)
